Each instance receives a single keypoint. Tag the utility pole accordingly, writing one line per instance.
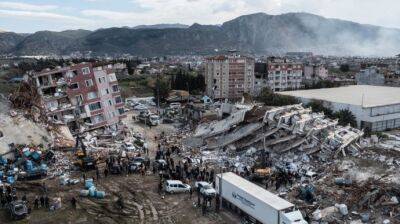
(187, 85)
(158, 94)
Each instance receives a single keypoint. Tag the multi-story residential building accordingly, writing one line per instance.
(314, 72)
(80, 96)
(284, 74)
(228, 77)
(370, 76)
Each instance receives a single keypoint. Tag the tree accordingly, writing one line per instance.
(344, 68)
(182, 79)
(321, 84)
(318, 106)
(269, 98)
(346, 117)
(162, 87)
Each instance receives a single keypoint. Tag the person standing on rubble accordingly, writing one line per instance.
(73, 202)
(3, 201)
(47, 202)
(24, 198)
(41, 201)
(97, 173)
(120, 201)
(36, 202)
(105, 172)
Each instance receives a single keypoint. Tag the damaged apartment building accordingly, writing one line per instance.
(80, 96)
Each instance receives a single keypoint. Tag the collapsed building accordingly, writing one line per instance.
(277, 130)
(80, 96)
(334, 174)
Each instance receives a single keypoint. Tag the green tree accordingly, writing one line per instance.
(346, 117)
(269, 98)
(344, 68)
(162, 87)
(318, 106)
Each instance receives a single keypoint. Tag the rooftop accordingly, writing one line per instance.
(256, 191)
(360, 95)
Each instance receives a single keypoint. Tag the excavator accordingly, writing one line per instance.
(84, 161)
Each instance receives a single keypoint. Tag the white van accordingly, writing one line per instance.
(176, 186)
(175, 105)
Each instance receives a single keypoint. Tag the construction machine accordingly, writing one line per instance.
(84, 161)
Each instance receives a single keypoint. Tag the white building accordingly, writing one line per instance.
(376, 108)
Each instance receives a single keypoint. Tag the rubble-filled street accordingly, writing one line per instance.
(187, 163)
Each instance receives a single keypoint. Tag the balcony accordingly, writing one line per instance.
(61, 108)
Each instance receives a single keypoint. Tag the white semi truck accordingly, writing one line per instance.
(257, 202)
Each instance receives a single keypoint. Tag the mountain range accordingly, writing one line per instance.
(255, 34)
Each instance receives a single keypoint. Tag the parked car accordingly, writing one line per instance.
(176, 186)
(175, 105)
(140, 107)
(17, 209)
(136, 162)
(116, 169)
(205, 188)
(128, 146)
(160, 164)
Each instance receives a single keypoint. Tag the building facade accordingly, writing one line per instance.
(228, 77)
(312, 73)
(370, 76)
(80, 96)
(284, 74)
(376, 108)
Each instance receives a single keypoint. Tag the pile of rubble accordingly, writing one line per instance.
(330, 172)
(277, 130)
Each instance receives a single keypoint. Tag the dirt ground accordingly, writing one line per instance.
(143, 203)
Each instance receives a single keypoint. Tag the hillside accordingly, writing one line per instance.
(257, 33)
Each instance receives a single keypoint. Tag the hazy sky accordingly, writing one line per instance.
(34, 15)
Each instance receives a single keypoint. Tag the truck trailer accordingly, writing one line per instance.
(255, 201)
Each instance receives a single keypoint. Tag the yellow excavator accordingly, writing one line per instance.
(84, 161)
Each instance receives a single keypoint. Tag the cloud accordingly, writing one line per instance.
(175, 11)
(43, 15)
(26, 7)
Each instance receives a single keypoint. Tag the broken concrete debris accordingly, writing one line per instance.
(335, 167)
(282, 129)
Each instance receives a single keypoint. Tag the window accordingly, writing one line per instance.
(115, 88)
(89, 83)
(105, 92)
(121, 111)
(92, 95)
(102, 79)
(112, 78)
(118, 100)
(79, 99)
(86, 70)
(110, 102)
(74, 86)
(95, 106)
(71, 74)
(97, 119)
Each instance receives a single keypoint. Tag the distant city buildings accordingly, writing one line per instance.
(228, 77)
(370, 76)
(81, 96)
